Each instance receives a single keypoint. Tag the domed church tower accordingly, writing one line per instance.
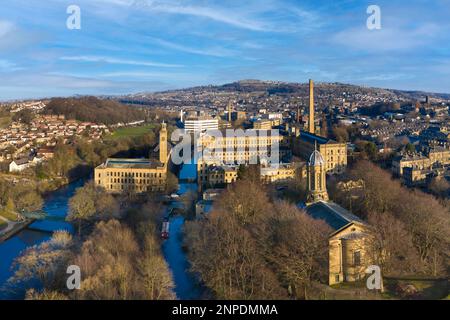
(316, 178)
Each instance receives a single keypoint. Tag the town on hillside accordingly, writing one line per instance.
(320, 188)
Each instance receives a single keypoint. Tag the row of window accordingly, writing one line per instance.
(134, 181)
(133, 174)
(135, 188)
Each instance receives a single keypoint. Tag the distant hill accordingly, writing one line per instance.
(93, 109)
(276, 87)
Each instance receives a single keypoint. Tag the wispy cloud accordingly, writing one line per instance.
(111, 60)
(222, 15)
(8, 66)
(210, 51)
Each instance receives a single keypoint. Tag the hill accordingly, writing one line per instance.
(331, 90)
(93, 109)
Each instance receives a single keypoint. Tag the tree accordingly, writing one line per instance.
(227, 258)
(392, 245)
(82, 206)
(340, 134)
(299, 248)
(33, 294)
(371, 150)
(421, 215)
(439, 186)
(92, 203)
(109, 267)
(25, 116)
(409, 147)
(44, 262)
(171, 183)
(156, 278)
(29, 200)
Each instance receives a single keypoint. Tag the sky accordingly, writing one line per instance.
(130, 46)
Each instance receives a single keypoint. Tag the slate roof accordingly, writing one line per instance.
(333, 214)
(312, 138)
(132, 163)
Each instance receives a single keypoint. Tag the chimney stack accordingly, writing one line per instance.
(311, 126)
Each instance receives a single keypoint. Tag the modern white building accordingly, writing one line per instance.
(19, 165)
(200, 124)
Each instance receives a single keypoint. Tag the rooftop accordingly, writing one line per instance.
(312, 138)
(131, 163)
(333, 214)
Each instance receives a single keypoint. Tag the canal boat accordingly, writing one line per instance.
(165, 229)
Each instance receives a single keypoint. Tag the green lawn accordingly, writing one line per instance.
(8, 215)
(131, 131)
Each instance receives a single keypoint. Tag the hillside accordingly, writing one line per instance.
(93, 109)
(333, 90)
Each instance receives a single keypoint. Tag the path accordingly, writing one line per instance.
(8, 227)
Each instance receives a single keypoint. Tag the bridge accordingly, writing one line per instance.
(37, 216)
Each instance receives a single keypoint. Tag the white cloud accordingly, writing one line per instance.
(214, 51)
(8, 66)
(111, 60)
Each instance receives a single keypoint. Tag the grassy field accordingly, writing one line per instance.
(3, 225)
(8, 215)
(131, 131)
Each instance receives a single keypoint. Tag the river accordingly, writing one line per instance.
(56, 207)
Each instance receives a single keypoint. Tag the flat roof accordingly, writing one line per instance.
(131, 163)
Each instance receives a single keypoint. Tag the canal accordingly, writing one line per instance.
(186, 286)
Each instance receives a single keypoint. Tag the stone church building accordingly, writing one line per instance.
(349, 240)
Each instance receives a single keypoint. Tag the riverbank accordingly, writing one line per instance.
(17, 227)
(34, 232)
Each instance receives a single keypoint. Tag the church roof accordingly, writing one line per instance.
(332, 213)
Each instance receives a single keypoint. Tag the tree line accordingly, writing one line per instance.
(118, 258)
(92, 109)
(252, 246)
(412, 228)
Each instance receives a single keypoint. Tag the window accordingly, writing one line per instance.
(357, 258)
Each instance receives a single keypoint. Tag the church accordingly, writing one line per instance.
(349, 240)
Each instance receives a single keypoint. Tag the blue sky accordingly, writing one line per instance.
(127, 46)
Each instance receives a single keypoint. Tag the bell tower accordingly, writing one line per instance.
(316, 178)
(230, 110)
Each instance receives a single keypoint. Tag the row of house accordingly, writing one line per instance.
(20, 138)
